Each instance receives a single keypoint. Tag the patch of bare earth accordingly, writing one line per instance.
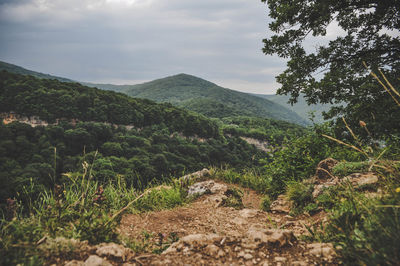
(210, 234)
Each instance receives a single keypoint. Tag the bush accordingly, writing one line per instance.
(300, 194)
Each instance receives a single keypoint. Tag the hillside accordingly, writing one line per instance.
(136, 139)
(301, 107)
(207, 98)
(20, 70)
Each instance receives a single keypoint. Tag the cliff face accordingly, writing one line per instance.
(35, 121)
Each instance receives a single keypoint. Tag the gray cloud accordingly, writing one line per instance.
(128, 40)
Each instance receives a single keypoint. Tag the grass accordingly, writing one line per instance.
(80, 209)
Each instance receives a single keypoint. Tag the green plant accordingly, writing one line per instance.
(265, 203)
(233, 198)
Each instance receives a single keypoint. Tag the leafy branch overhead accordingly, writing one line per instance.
(333, 72)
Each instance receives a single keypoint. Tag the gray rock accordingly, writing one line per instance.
(281, 204)
(112, 250)
(277, 237)
(323, 250)
(94, 260)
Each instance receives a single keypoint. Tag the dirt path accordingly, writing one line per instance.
(214, 235)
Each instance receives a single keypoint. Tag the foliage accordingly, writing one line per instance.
(334, 72)
(346, 168)
(300, 194)
(299, 157)
(246, 178)
(265, 203)
(233, 198)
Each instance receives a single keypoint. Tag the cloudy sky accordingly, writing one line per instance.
(131, 41)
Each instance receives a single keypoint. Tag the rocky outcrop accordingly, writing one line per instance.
(196, 175)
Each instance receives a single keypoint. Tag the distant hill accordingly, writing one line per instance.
(301, 107)
(207, 98)
(191, 93)
(20, 70)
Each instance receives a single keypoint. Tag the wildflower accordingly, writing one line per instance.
(398, 190)
(362, 124)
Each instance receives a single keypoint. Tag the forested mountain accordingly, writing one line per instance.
(20, 70)
(301, 107)
(207, 98)
(192, 93)
(85, 124)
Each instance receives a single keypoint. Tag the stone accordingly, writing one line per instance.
(323, 250)
(200, 188)
(280, 259)
(196, 175)
(362, 179)
(281, 204)
(276, 237)
(249, 213)
(112, 250)
(74, 263)
(94, 260)
(211, 250)
(247, 256)
(324, 169)
(299, 263)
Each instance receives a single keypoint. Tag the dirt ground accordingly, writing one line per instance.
(226, 232)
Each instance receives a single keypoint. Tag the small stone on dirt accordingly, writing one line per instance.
(324, 250)
(112, 250)
(94, 260)
(281, 204)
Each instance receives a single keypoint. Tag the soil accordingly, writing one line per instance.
(204, 217)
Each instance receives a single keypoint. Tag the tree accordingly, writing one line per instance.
(334, 72)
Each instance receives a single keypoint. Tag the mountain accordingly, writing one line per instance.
(301, 107)
(207, 98)
(20, 70)
(191, 93)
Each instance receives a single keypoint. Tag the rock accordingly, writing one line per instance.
(74, 263)
(324, 169)
(323, 250)
(194, 242)
(239, 221)
(281, 204)
(196, 175)
(362, 179)
(94, 260)
(247, 256)
(299, 263)
(211, 250)
(318, 189)
(276, 237)
(112, 250)
(249, 213)
(280, 259)
(200, 188)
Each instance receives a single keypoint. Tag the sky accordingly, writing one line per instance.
(133, 41)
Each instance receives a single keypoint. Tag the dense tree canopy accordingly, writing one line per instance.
(334, 72)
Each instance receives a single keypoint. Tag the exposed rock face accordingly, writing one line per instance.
(324, 169)
(281, 204)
